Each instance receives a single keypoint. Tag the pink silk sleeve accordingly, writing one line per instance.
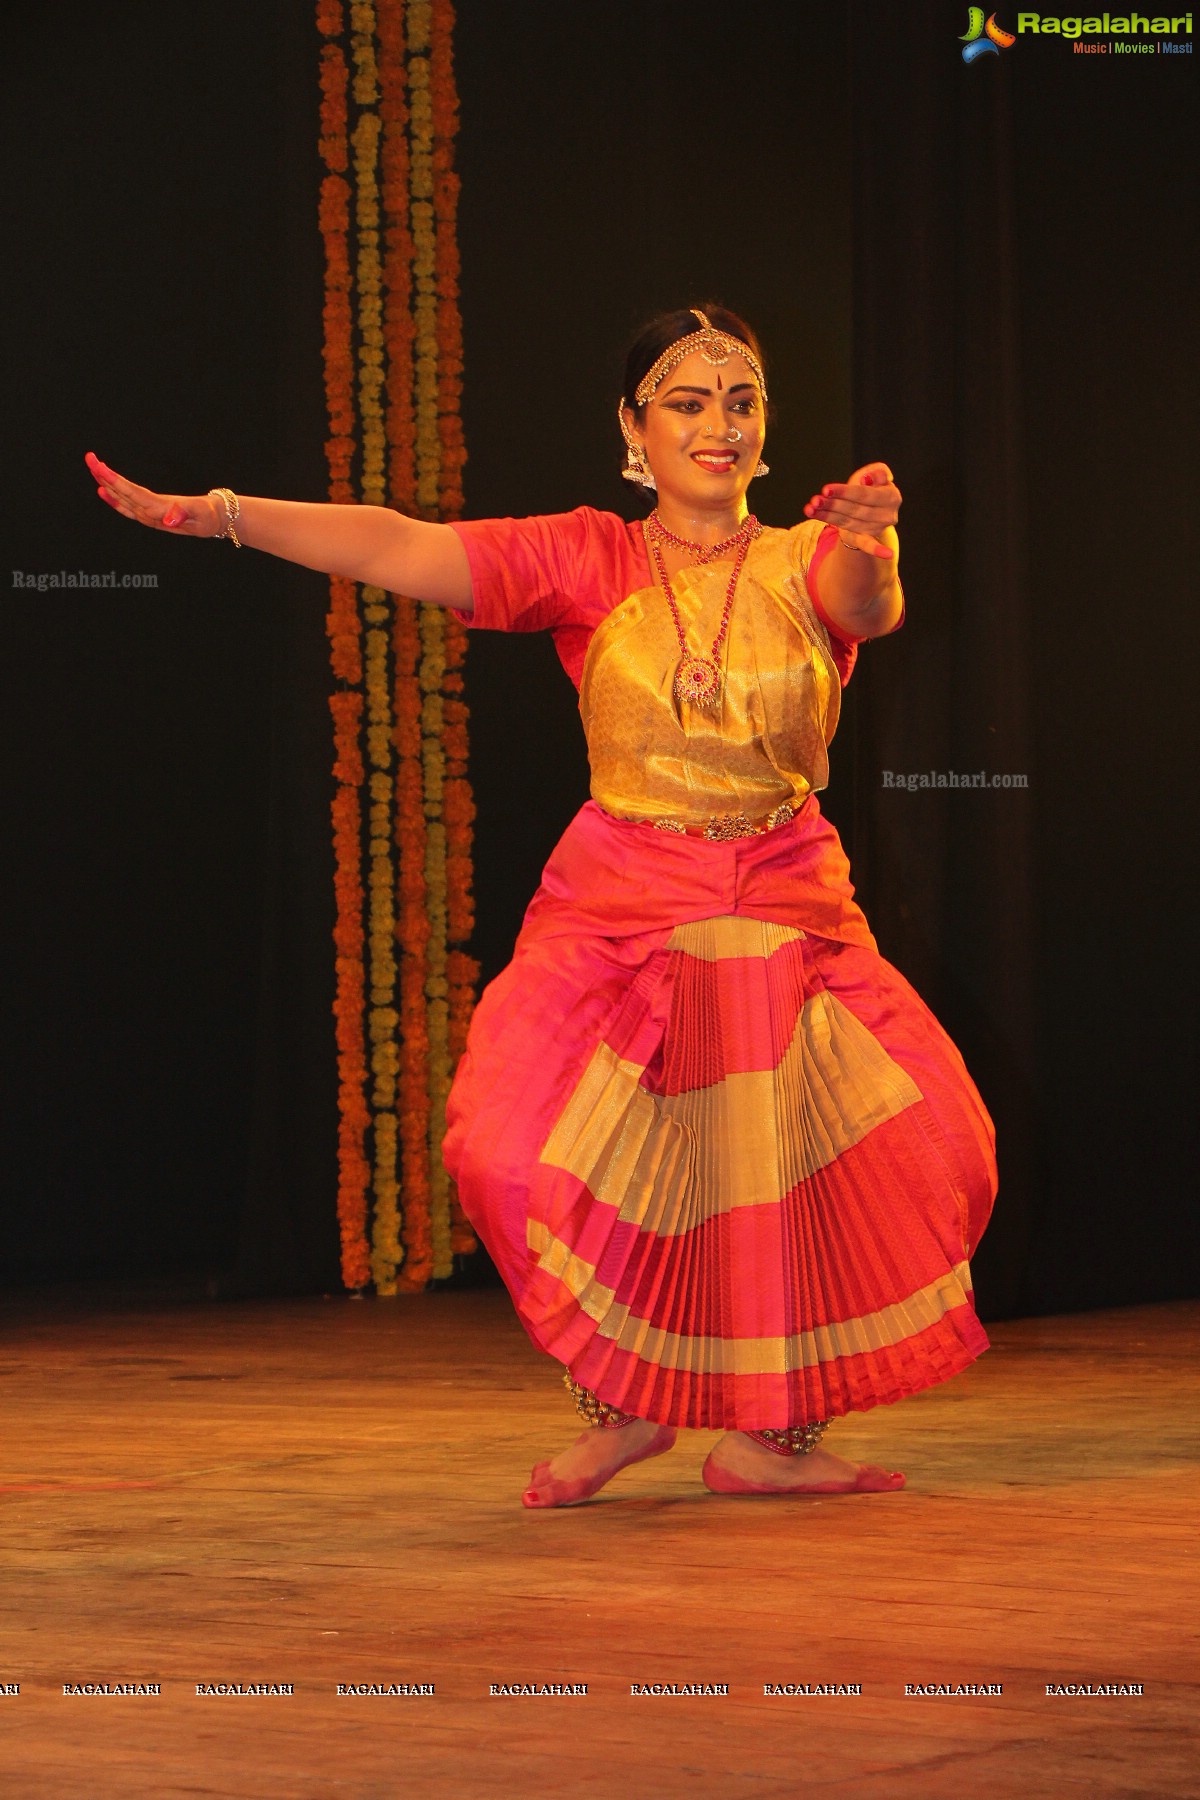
(559, 572)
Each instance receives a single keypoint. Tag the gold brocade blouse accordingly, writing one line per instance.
(764, 742)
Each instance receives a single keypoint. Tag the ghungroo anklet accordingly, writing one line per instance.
(593, 1409)
(794, 1440)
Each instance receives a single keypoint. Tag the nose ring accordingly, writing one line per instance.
(734, 435)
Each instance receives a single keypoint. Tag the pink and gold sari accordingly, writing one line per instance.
(729, 1165)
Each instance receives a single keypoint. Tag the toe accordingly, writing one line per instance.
(874, 1480)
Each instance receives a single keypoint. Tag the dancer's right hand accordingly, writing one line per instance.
(184, 515)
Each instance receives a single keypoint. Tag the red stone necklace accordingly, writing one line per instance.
(698, 678)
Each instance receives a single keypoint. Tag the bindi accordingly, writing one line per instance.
(718, 384)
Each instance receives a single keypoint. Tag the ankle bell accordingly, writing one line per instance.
(793, 1440)
(593, 1409)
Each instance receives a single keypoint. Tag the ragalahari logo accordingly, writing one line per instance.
(982, 39)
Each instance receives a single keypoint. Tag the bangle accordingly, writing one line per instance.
(233, 509)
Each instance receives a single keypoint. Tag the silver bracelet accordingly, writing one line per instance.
(233, 510)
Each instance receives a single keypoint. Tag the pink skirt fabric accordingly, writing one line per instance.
(728, 1164)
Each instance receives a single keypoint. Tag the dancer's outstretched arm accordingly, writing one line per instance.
(860, 580)
(370, 544)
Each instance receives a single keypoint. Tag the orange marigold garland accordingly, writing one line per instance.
(430, 351)
(458, 811)
(413, 928)
(414, 935)
(353, 1168)
(344, 636)
(402, 809)
(383, 1019)
(446, 261)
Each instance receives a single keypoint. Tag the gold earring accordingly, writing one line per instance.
(762, 469)
(636, 468)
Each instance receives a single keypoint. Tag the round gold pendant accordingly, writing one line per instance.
(697, 681)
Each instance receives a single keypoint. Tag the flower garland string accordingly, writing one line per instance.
(458, 809)
(402, 810)
(409, 818)
(431, 669)
(344, 631)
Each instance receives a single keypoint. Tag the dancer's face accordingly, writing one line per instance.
(703, 430)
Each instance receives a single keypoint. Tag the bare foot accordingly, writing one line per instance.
(738, 1465)
(593, 1459)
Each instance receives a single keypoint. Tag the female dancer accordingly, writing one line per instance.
(730, 1167)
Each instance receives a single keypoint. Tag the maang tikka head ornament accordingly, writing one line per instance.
(716, 347)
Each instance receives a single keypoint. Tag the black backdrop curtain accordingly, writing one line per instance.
(1021, 295)
(949, 874)
(971, 272)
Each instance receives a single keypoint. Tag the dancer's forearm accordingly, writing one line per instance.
(862, 593)
(371, 544)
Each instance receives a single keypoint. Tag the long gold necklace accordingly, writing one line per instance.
(698, 678)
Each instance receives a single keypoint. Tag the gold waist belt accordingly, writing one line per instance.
(720, 830)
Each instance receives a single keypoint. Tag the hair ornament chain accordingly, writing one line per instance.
(716, 347)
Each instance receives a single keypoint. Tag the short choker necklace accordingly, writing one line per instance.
(698, 678)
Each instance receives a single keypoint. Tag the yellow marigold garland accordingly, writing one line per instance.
(402, 810)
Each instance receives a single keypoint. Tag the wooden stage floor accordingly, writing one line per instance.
(323, 1492)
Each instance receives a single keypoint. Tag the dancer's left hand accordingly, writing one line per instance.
(864, 509)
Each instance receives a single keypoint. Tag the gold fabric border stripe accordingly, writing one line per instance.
(715, 940)
(873, 1331)
(668, 1162)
